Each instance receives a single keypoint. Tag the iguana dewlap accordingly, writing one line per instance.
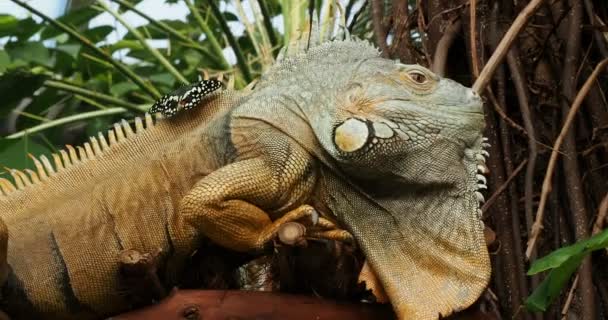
(390, 151)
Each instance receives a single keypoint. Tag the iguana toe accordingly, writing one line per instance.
(292, 233)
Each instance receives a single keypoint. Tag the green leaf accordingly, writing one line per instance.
(562, 263)
(31, 52)
(70, 49)
(76, 18)
(22, 29)
(128, 44)
(7, 25)
(5, 60)
(552, 285)
(13, 152)
(98, 33)
(560, 256)
(163, 78)
(122, 88)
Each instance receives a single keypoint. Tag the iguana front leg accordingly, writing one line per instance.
(227, 205)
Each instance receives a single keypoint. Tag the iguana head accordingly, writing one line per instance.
(407, 148)
(404, 124)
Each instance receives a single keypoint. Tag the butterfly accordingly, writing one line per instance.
(184, 98)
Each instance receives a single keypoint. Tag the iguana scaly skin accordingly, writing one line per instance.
(391, 152)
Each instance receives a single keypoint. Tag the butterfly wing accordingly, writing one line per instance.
(193, 96)
(167, 105)
(186, 97)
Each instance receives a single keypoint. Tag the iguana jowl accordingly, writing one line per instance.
(389, 151)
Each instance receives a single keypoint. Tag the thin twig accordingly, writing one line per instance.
(144, 42)
(473, 37)
(503, 47)
(65, 120)
(92, 94)
(502, 187)
(520, 83)
(440, 57)
(569, 298)
(174, 33)
(147, 87)
(240, 58)
(215, 45)
(378, 24)
(272, 36)
(502, 113)
(546, 188)
(602, 211)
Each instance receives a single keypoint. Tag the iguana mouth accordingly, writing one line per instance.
(472, 108)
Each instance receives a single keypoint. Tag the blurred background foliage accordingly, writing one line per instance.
(62, 80)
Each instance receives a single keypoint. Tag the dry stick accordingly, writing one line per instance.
(602, 211)
(573, 37)
(503, 187)
(502, 113)
(378, 24)
(600, 40)
(519, 279)
(473, 37)
(503, 47)
(440, 57)
(520, 83)
(423, 29)
(401, 46)
(546, 188)
(569, 298)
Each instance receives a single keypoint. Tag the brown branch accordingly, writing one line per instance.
(503, 47)
(502, 188)
(502, 113)
(546, 187)
(401, 47)
(237, 304)
(473, 37)
(569, 298)
(378, 24)
(600, 40)
(422, 28)
(520, 83)
(440, 57)
(572, 36)
(602, 211)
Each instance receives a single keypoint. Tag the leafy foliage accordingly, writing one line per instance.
(53, 70)
(562, 263)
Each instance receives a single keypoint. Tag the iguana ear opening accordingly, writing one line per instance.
(351, 135)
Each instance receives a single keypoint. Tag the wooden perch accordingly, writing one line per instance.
(219, 304)
(249, 305)
(140, 271)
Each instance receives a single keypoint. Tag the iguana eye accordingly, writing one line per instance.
(418, 77)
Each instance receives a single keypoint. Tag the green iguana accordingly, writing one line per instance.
(333, 134)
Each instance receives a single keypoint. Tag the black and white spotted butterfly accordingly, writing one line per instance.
(184, 98)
